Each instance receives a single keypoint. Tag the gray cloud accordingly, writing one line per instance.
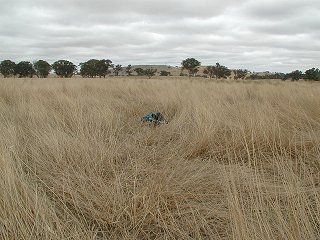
(259, 35)
(280, 9)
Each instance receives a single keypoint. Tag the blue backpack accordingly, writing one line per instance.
(157, 118)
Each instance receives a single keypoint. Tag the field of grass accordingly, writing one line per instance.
(237, 160)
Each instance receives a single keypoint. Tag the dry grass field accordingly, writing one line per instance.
(237, 160)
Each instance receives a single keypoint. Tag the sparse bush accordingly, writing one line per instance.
(139, 71)
(165, 73)
(240, 73)
(277, 75)
(150, 72)
(218, 71)
(210, 71)
(129, 70)
(259, 76)
(117, 69)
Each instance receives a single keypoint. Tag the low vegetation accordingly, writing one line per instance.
(104, 67)
(237, 160)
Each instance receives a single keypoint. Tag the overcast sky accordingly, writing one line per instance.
(274, 35)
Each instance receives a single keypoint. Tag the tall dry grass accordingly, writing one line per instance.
(238, 160)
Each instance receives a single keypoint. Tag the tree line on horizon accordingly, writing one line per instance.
(101, 68)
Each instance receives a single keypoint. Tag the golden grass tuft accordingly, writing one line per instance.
(237, 160)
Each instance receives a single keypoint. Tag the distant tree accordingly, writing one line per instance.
(218, 71)
(42, 68)
(295, 75)
(89, 68)
(129, 70)
(93, 68)
(221, 71)
(150, 72)
(165, 73)
(240, 73)
(103, 67)
(117, 69)
(139, 71)
(64, 68)
(24, 69)
(7, 68)
(191, 65)
(312, 74)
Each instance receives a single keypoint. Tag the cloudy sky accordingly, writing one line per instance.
(274, 35)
